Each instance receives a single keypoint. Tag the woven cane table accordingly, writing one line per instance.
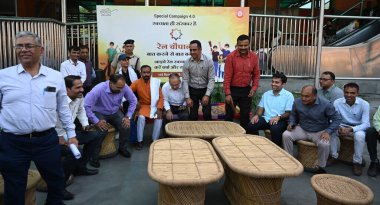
(183, 167)
(255, 170)
(338, 190)
(203, 129)
(30, 193)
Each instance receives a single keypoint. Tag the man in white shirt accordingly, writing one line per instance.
(90, 139)
(355, 121)
(73, 66)
(174, 99)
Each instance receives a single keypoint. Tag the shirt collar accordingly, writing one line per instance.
(280, 93)
(180, 86)
(72, 62)
(108, 89)
(355, 103)
(42, 71)
(200, 59)
(330, 89)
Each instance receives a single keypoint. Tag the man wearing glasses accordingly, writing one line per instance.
(32, 98)
(328, 89)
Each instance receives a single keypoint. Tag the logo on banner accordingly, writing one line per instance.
(176, 34)
(106, 12)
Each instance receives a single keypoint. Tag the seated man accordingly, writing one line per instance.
(174, 99)
(151, 103)
(372, 136)
(102, 105)
(273, 110)
(312, 118)
(355, 120)
(90, 139)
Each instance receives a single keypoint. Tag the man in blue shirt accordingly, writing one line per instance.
(273, 110)
(315, 119)
(355, 121)
(32, 99)
(328, 89)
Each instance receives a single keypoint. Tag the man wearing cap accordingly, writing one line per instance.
(134, 60)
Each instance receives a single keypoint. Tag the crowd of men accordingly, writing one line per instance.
(43, 111)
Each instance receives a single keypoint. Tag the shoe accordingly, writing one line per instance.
(319, 170)
(125, 153)
(139, 146)
(67, 195)
(87, 172)
(70, 180)
(357, 169)
(95, 163)
(331, 161)
(373, 169)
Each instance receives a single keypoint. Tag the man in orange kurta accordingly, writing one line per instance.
(151, 103)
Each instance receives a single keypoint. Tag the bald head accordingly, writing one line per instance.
(308, 94)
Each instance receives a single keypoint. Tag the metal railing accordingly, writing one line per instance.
(52, 35)
(285, 44)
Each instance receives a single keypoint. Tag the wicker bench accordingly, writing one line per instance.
(307, 154)
(255, 170)
(346, 151)
(338, 190)
(183, 167)
(30, 194)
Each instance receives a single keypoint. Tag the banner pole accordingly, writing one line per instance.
(242, 3)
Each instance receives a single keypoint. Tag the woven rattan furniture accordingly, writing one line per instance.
(268, 134)
(30, 194)
(346, 151)
(307, 154)
(183, 167)
(108, 148)
(338, 190)
(203, 129)
(255, 170)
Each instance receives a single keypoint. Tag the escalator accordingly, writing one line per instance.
(366, 32)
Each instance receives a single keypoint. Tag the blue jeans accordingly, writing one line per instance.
(275, 130)
(16, 153)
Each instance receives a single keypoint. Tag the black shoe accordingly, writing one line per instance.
(87, 172)
(139, 146)
(319, 170)
(357, 169)
(95, 163)
(125, 153)
(67, 195)
(373, 169)
(331, 161)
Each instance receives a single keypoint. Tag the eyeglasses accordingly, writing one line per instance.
(324, 79)
(26, 46)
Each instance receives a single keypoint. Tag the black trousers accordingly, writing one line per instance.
(240, 97)
(196, 96)
(276, 130)
(16, 153)
(371, 137)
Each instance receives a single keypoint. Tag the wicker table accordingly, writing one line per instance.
(30, 194)
(338, 190)
(183, 167)
(256, 168)
(203, 129)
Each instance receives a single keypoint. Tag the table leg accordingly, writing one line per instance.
(180, 195)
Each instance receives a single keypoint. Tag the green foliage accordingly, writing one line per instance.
(218, 94)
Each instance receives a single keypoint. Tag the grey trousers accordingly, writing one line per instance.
(288, 137)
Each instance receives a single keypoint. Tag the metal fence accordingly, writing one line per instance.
(52, 35)
(286, 44)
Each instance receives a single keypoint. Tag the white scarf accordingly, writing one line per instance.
(154, 95)
(131, 72)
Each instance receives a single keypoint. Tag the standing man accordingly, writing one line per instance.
(174, 99)
(273, 110)
(151, 103)
(328, 89)
(372, 137)
(241, 80)
(355, 121)
(315, 119)
(90, 72)
(102, 105)
(134, 61)
(32, 98)
(198, 81)
(73, 66)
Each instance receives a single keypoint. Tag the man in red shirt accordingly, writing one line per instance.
(241, 80)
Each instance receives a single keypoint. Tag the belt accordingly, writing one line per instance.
(38, 134)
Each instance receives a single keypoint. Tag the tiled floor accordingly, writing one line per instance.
(126, 181)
